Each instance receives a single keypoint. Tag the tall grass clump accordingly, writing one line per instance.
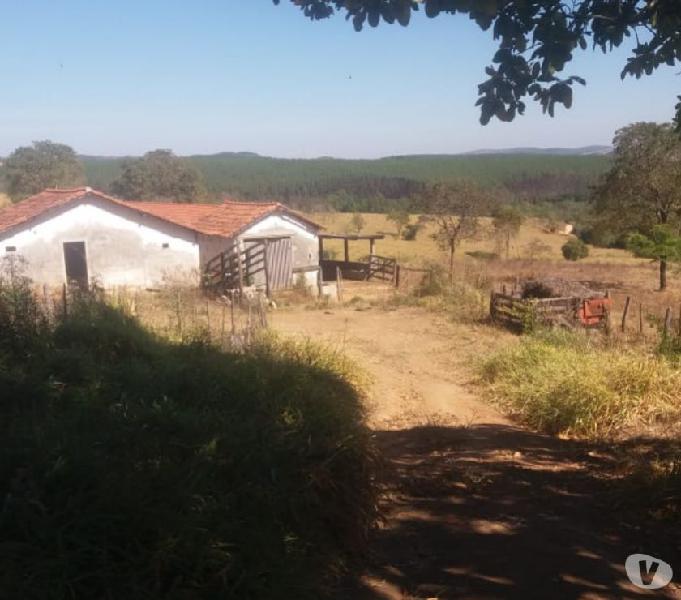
(131, 467)
(461, 300)
(565, 382)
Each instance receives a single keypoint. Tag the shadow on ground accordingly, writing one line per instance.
(494, 511)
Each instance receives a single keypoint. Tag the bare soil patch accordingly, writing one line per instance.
(476, 507)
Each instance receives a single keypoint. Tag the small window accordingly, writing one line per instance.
(10, 248)
(166, 245)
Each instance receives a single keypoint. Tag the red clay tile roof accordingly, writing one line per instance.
(224, 219)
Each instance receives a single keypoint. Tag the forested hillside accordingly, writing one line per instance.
(376, 185)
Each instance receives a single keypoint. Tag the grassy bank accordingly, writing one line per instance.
(132, 467)
(562, 382)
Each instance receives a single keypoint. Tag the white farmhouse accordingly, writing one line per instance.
(84, 236)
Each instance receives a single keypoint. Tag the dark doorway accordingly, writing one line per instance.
(76, 264)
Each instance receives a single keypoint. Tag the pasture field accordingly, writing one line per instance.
(533, 242)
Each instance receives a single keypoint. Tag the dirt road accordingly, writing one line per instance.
(476, 506)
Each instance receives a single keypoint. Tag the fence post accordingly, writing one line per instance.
(667, 322)
(640, 318)
(64, 300)
(608, 319)
(339, 285)
(624, 314)
(397, 276)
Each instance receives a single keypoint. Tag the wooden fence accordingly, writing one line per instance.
(373, 267)
(521, 313)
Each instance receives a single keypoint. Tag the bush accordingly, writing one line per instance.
(575, 249)
(135, 468)
(561, 382)
(410, 232)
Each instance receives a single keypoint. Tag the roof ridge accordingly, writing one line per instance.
(73, 189)
(252, 203)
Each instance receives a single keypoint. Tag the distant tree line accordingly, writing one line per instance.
(547, 186)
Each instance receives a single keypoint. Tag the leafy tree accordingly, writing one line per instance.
(643, 188)
(357, 222)
(159, 175)
(400, 218)
(662, 244)
(455, 209)
(575, 249)
(506, 222)
(537, 40)
(31, 169)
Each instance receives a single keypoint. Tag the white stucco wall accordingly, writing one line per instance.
(304, 240)
(122, 247)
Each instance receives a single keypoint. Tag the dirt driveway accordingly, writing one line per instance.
(476, 506)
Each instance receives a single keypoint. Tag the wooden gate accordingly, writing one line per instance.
(279, 263)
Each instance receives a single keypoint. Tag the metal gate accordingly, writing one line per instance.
(279, 254)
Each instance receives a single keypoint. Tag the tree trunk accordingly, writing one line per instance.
(663, 274)
(451, 263)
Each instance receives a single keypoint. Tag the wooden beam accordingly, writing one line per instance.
(267, 271)
(240, 266)
(321, 248)
(347, 250)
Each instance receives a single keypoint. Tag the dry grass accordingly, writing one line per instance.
(524, 246)
(605, 269)
(572, 383)
(4, 200)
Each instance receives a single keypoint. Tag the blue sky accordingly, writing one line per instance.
(205, 76)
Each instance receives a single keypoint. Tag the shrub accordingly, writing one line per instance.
(410, 232)
(561, 382)
(575, 249)
(135, 468)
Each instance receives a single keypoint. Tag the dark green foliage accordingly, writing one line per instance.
(133, 468)
(662, 243)
(640, 193)
(537, 40)
(159, 175)
(410, 232)
(31, 169)
(575, 249)
(381, 185)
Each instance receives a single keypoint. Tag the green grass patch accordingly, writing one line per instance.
(564, 382)
(132, 467)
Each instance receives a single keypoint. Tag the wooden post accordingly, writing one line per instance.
(624, 314)
(222, 328)
(372, 246)
(339, 285)
(64, 300)
(223, 273)
(320, 283)
(608, 320)
(640, 318)
(667, 322)
(347, 249)
(679, 330)
(240, 267)
(321, 249)
(266, 268)
(397, 276)
(231, 308)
